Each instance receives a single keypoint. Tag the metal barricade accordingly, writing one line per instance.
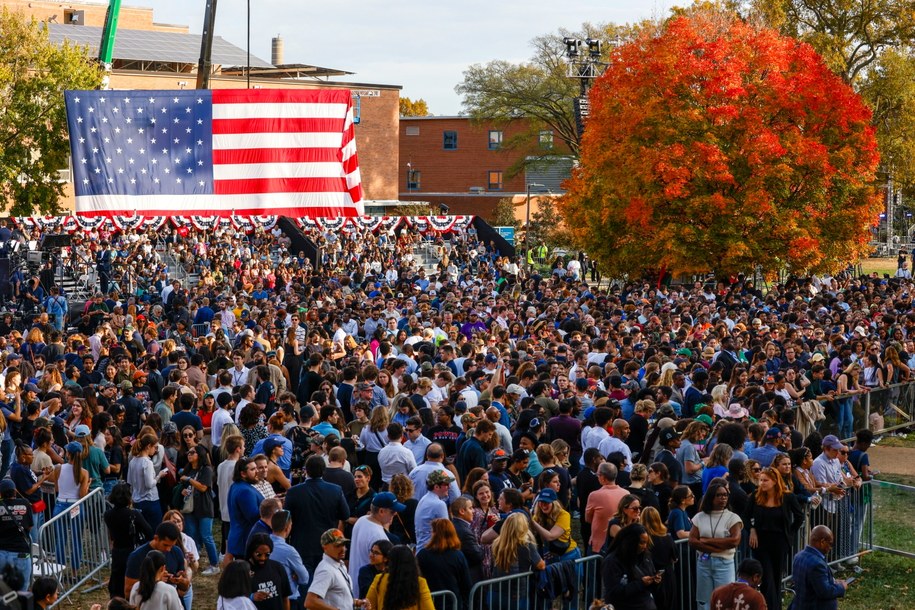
(893, 518)
(504, 593)
(445, 600)
(73, 544)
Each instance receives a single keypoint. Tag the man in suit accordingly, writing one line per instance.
(814, 584)
(461, 517)
(315, 506)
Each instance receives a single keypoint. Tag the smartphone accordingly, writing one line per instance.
(661, 572)
(850, 580)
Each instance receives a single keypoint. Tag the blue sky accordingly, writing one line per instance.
(423, 46)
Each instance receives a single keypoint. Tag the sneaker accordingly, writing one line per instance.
(210, 571)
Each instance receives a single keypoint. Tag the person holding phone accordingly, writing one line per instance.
(814, 583)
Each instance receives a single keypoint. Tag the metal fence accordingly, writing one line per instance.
(445, 600)
(893, 518)
(850, 517)
(73, 544)
(881, 410)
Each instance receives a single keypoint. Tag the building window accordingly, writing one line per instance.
(413, 130)
(546, 139)
(495, 140)
(414, 177)
(449, 140)
(495, 181)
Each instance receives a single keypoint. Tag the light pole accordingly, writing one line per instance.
(527, 230)
(585, 67)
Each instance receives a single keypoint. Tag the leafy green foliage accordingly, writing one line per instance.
(34, 73)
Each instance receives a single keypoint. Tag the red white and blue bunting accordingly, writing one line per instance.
(247, 224)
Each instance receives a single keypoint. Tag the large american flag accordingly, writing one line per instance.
(222, 152)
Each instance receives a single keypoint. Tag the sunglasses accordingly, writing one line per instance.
(188, 435)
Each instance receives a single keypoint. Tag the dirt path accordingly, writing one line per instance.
(893, 460)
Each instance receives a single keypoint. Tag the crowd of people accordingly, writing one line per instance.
(365, 432)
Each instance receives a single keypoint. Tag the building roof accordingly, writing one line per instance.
(287, 71)
(145, 45)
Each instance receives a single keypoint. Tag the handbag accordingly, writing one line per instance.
(171, 478)
(37, 507)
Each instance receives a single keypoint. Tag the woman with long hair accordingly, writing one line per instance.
(661, 486)
(234, 587)
(198, 475)
(251, 428)
(470, 480)
(774, 517)
(717, 465)
(126, 527)
(143, 479)
(752, 468)
(401, 587)
(678, 522)
(72, 482)
(848, 388)
(386, 382)
(715, 535)
(378, 563)
(552, 524)
(627, 512)
(663, 555)
(442, 562)
(151, 592)
(485, 515)
(373, 439)
(627, 573)
(515, 551)
(403, 527)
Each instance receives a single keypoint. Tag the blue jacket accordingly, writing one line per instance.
(814, 585)
(244, 511)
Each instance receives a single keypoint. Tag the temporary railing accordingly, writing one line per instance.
(850, 517)
(73, 544)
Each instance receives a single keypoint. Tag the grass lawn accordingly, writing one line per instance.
(884, 582)
(880, 265)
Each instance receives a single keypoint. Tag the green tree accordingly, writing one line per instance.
(34, 145)
(539, 90)
(850, 35)
(410, 108)
(504, 214)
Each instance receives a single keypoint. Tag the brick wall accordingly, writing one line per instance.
(130, 17)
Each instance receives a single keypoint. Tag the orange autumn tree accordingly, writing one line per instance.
(716, 146)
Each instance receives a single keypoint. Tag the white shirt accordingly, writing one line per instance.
(393, 459)
(591, 437)
(239, 377)
(365, 533)
(164, 597)
(612, 444)
(418, 448)
(220, 418)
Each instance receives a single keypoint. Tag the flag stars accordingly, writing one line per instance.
(82, 140)
(116, 110)
(168, 171)
(141, 130)
(177, 140)
(118, 150)
(153, 141)
(120, 170)
(130, 140)
(190, 170)
(101, 100)
(152, 100)
(153, 120)
(156, 180)
(143, 171)
(76, 100)
(130, 161)
(83, 160)
(199, 100)
(187, 151)
(85, 181)
(79, 119)
(178, 180)
(187, 130)
(175, 100)
(164, 110)
(175, 121)
(108, 160)
(128, 120)
(142, 151)
(133, 180)
(200, 163)
(91, 109)
(139, 111)
(164, 130)
(104, 119)
(95, 151)
(187, 110)
(200, 121)
(98, 171)
(107, 140)
(92, 129)
(202, 183)
(117, 130)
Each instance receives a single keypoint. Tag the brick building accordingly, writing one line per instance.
(150, 55)
(470, 166)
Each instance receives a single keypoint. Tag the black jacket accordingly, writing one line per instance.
(471, 548)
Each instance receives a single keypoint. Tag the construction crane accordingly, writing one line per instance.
(106, 46)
